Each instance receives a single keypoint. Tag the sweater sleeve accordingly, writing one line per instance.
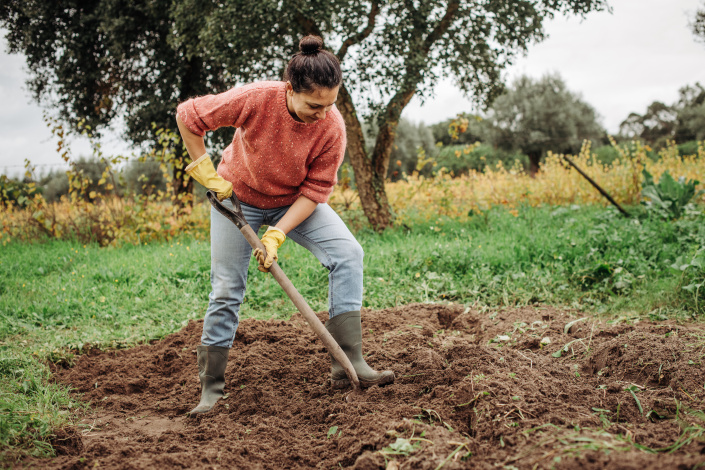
(210, 112)
(322, 174)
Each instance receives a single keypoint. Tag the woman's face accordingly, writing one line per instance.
(310, 107)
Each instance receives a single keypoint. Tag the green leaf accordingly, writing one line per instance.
(570, 324)
(669, 197)
(693, 287)
(332, 431)
(401, 447)
(638, 403)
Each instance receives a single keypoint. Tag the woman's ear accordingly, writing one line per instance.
(289, 88)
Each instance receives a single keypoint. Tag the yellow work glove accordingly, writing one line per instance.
(273, 238)
(202, 170)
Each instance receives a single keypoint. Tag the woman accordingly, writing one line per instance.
(282, 165)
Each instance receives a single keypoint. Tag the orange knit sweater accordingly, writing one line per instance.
(273, 159)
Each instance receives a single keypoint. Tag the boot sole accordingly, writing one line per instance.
(345, 383)
(202, 409)
(196, 411)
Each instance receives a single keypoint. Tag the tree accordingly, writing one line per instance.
(681, 122)
(98, 61)
(690, 121)
(655, 126)
(390, 51)
(698, 24)
(473, 133)
(409, 139)
(535, 116)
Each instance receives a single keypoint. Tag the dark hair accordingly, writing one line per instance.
(313, 67)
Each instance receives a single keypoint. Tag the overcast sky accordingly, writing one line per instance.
(621, 62)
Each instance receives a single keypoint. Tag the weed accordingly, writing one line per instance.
(669, 197)
(332, 432)
(632, 389)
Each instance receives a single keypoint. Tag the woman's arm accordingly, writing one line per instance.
(297, 213)
(194, 144)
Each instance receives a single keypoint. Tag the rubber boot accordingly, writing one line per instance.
(346, 330)
(211, 370)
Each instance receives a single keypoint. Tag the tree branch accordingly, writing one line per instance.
(392, 113)
(442, 25)
(359, 37)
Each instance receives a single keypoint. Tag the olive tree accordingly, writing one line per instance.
(97, 62)
(536, 116)
(105, 58)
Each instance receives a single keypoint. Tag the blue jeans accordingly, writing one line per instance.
(323, 233)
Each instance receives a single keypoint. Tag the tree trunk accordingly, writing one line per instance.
(370, 173)
(370, 183)
(181, 188)
(534, 159)
(388, 129)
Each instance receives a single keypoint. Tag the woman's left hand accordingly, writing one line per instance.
(272, 239)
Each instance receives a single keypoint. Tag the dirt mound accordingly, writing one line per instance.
(514, 388)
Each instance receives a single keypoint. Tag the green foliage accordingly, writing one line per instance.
(460, 158)
(31, 407)
(606, 154)
(15, 192)
(474, 132)
(94, 172)
(692, 269)
(688, 148)
(536, 116)
(690, 123)
(141, 176)
(144, 176)
(656, 126)
(669, 197)
(409, 138)
(54, 185)
(92, 61)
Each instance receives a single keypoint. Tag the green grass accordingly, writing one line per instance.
(58, 298)
(31, 407)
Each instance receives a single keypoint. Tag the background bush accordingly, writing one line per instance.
(460, 159)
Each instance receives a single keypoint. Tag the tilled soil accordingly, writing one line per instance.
(473, 390)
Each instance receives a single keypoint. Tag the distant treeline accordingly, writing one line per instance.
(537, 116)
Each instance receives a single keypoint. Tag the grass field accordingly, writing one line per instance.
(58, 298)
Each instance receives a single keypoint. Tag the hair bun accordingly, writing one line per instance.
(310, 44)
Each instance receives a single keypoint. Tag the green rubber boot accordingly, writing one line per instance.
(346, 330)
(211, 370)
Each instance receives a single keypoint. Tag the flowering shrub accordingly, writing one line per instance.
(105, 218)
(94, 213)
(419, 198)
